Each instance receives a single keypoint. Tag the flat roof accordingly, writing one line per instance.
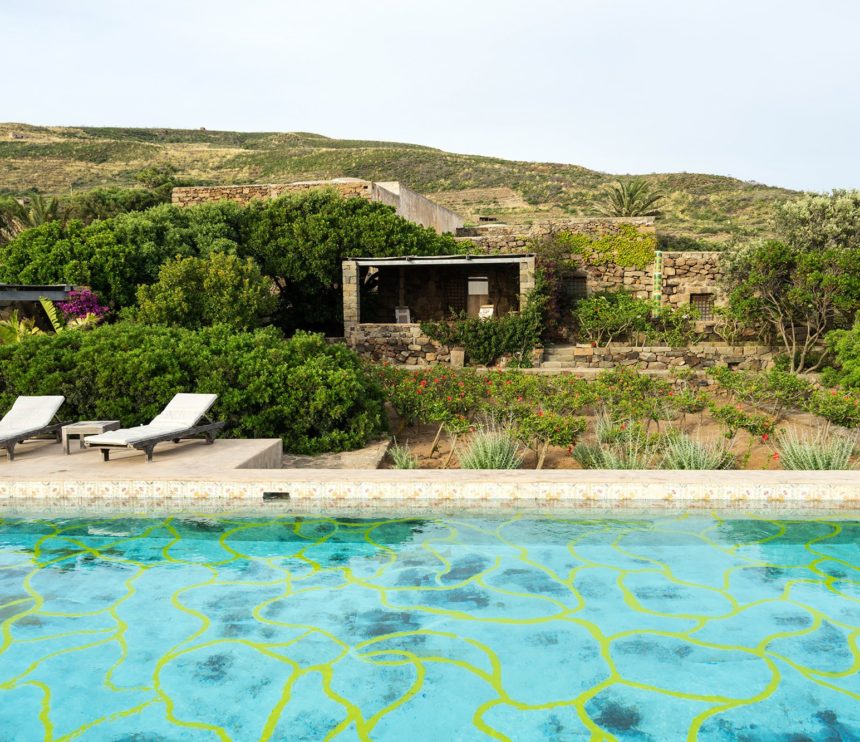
(444, 260)
(33, 292)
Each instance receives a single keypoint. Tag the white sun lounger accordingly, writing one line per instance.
(28, 418)
(178, 421)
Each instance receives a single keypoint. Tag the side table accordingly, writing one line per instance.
(86, 427)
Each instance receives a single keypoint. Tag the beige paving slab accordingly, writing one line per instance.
(191, 459)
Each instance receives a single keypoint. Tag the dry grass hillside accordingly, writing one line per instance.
(57, 160)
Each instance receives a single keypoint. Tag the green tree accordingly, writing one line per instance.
(632, 197)
(197, 292)
(821, 221)
(301, 240)
(797, 292)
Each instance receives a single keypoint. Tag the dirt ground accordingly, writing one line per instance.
(701, 426)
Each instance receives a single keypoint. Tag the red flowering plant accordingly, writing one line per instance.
(539, 429)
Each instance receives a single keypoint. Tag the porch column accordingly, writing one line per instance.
(351, 298)
(527, 280)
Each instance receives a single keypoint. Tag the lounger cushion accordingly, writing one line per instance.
(130, 436)
(185, 410)
(181, 413)
(29, 415)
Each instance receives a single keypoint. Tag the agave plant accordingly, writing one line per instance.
(630, 198)
(821, 450)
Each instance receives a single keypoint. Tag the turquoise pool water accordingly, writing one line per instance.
(446, 629)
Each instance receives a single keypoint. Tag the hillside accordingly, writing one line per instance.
(57, 160)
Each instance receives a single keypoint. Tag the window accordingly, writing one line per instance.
(455, 294)
(575, 288)
(479, 294)
(704, 303)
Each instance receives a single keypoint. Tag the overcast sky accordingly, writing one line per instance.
(765, 90)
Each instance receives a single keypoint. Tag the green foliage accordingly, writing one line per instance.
(819, 451)
(492, 448)
(314, 395)
(114, 256)
(775, 391)
(197, 292)
(626, 246)
(820, 221)
(802, 287)
(105, 203)
(674, 326)
(734, 418)
(15, 328)
(632, 197)
(844, 346)
(298, 241)
(606, 316)
(486, 340)
(683, 452)
(836, 406)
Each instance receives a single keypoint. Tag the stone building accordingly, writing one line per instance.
(386, 299)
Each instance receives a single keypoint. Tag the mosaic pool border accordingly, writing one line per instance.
(363, 491)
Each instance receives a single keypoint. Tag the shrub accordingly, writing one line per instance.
(80, 304)
(298, 241)
(197, 292)
(314, 395)
(734, 418)
(844, 346)
(402, 457)
(683, 452)
(609, 315)
(836, 406)
(492, 448)
(822, 450)
(487, 340)
(674, 326)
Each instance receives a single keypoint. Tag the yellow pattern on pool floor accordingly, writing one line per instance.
(522, 628)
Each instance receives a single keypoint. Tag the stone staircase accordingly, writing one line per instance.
(562, 356)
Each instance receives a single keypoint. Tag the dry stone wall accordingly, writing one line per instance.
(244, 194)
(398, 344)
(657, 358)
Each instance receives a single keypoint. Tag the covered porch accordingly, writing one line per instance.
(410, 290)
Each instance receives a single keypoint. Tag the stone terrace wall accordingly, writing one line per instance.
(747, 357)
(398, 344)
(686, 273)
(243, 194)
(504, 238)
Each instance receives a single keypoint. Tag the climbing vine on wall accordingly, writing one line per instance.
(627, 247)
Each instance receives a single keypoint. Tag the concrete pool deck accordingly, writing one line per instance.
(232, 476)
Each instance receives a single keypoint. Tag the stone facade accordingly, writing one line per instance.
(687, 273)
(399, 344)
(656, 358)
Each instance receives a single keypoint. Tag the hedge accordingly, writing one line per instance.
(316, 396)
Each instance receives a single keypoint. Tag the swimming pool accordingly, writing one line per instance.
(522, 628)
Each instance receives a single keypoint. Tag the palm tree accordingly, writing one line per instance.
(18, 215)
(630, 198)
